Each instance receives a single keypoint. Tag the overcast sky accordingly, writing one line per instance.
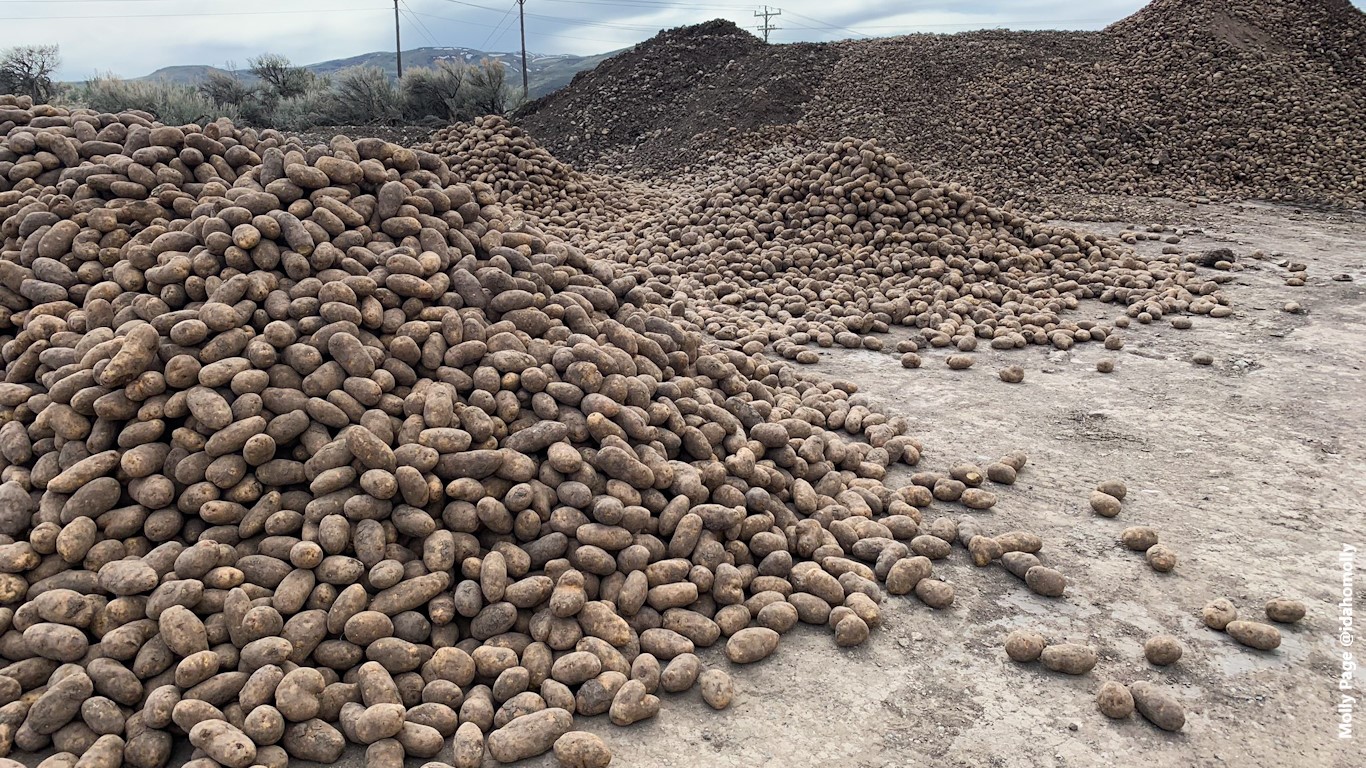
(134, 37)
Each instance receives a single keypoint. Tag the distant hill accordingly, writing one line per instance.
(545, 72)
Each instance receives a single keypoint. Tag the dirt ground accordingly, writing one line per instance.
(1252, 469)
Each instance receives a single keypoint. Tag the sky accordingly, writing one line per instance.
(131, 38)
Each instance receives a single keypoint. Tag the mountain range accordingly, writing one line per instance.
(545, 72)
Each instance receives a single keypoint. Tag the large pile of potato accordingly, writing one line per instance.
(309, 445)
(1188, 98)
(834, 248)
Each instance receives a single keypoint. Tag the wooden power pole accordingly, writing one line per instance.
(521, 20)
(767, 26)
(398, 44)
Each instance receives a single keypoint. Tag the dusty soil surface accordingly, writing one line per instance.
(1252, 469)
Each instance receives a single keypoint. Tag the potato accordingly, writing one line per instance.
(1157, 707)
(1104, 504)
(1045, 581)
(1024, 646)
(976, 498)
(1161, 558)
(1011, 374)
(467, 748)
(1069, 658)
(960, 362)
(1114, 488)
(1284, 610)
(1253, 634)
(224, 743)
(1162, 650)
(934, 593)
(681, 673)
(1218, 613)
(984, 550)
(632, 703)
(528, 736)
(580, 749)
(1114, 700)
(1105, 366)
(1138, 538)
(750, 645)
(717, 689)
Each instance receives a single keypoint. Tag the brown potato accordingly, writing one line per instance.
(1285, 610)
(1218, 613)
(1114, 700)
(1162, 650)
(1045, 581)
(1069, 658)
(1138, 538)
(1104, 504)
(1253, 634)
(750, 645)
(528, 736)
(1157, 707)
(1161, 558)
(1024, 646)
(580, 749)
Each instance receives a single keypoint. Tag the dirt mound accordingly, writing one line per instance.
(703, 81)
(1187, 98)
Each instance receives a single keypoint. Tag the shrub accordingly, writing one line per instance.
(365, 95)
(434, 92)
(171, 103)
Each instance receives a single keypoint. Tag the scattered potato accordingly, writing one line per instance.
(1284, 610)
(1254, 634)
(580, 749)
(1104, 504)
(960, 362)
(1161, 558)
(1024, 646)
(1113, 488)
(1069, 658)
(1045, 581)
(1162, 650)
(1012, 374)
(1157, 707)
(1138, 538)
(1114, 700)
(1105, 366)
(1217, 614)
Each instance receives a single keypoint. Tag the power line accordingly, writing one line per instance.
(506, 15)
(767, 26)
(421, 27)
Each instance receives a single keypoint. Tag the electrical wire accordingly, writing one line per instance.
(499, 35)
(427, 33)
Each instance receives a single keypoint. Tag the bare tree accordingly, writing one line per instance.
(27, 70)
(284, 79)
(488, 86)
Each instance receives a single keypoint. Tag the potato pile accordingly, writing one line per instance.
(309, 445)
(832, 248)
(1187, 99)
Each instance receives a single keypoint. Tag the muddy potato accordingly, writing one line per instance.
(1069, 658)
(1253, 634)
(1011, 374)
(1045, 581)
(580, 749)
(1284, 610)
(1104, 504)
(751, 644)
(528, 736)
(1157, 707)
(717, 688)
(1162, 650)
(632, 703)
(1114, 700)
(1114, 488)
(1138, 538)
(1161, 558)
(934, 593)
(224, 743)
(1218, 613)
(1024, 645)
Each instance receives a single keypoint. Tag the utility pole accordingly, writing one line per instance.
(398, 44)
(767, 27)
(521, 20)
